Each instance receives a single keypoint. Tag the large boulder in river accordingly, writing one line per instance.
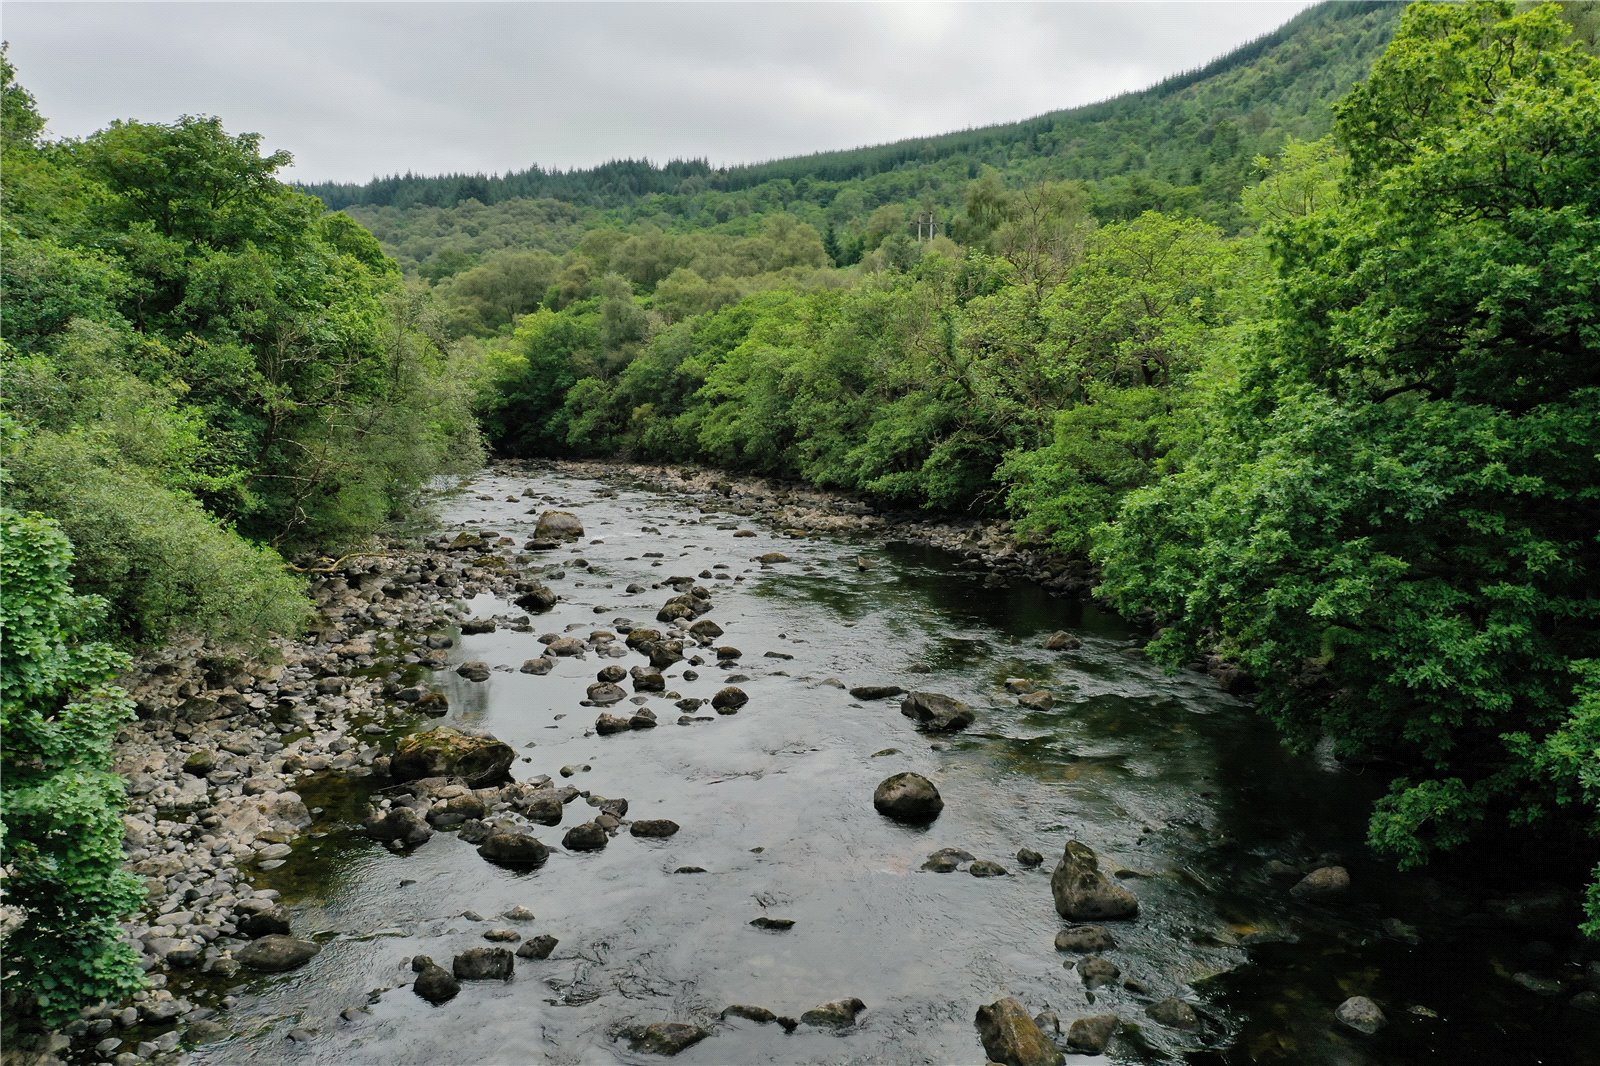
(276, 953)
(480, 761)
(558, 525)
(1083, 893)
(909, 798)
(537, 599)
(483, 964)
(1011, 1036)
(400, 825)
(936, 713)
(518, 851)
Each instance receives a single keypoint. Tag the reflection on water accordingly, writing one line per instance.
(1184, 792)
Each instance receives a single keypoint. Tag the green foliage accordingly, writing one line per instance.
(1392, 523)
(62, 834)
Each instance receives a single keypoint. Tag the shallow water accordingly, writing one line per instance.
(1178, 786)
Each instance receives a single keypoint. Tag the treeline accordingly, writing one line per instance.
(1354, 448)
(203, 370)
(1188, 145)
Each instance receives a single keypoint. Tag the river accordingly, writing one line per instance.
(1182, 790)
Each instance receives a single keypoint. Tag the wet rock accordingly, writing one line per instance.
(1030, 858)
(436, 983)
(1098, 971)
(729, 700)
(648, 681)
(483, 964)
(663, 653)
(539, 947)
(537, 600)
(876, 692)
(272, 921)
(546, 809)
(276, 953)
(518, 851)
(1091, 1035)
(1174, 1013)
(839, 1014)
(1537, 984)
(435, 704)
(604, 693)
(612, 673)
(1082, 892)
(1041, 700)
(644, 718)
(1361, 1014)
(771, 558)
(401, 825)
(985, 868)
(502, 936)
(705, 629)
(773, 924)
(519, 913)
(558, 526)
(565, 646)
(474, 626)
(479, 761)
(449, 813)
(609, 724)
(936, 713)
(690, 870)
(946, 860)
(1010, 1036)
(200, 763)
(541, 665)
(1019, 685)
(1325, 882)
(586, 837)
(908, 797)
(1061, 640)
(1084, 939)
(665, 1038)
(728, 654)
(653, 827)
(474, 670)
(760, 1015)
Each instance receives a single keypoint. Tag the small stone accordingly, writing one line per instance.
(1174, 1013)
(774, 924)
(1085, 938)
(760, 1015)
(585, 837)
(985, 868)
(838, 1014)
(1098, 971)
(1030, 858)
(653, 827)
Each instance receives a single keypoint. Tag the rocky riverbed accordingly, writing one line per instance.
(631, 762)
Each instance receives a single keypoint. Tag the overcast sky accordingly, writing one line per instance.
(358, 89)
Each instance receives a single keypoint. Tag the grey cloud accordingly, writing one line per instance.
(358, 89)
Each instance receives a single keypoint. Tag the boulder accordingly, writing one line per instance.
(946, 860)
(604, 694)
(518, 851)
(705, 629)
(653, 827)
(729, 700)
(586, 837)
(1083, 893)
(567, 646)
(609, 724)
(839, 1014)
(276, 953)
(537, 600)
(936, 713)
(876, 692)
(1011, 1036)
(474, 670)
(1091, 1035)
(908, 797)
(539, 947)
(399, 824)
(1324, 882)
(272, 921)
(1174, 1013)
(1098, 971)
(436, 984)
(1361, 1014)
(985, 868)
(1084, 939)
(1061, 640)
(665, 1038)
(558, 526)
(760, 1015)
(479, 761)
(541, 665)
(483, 964)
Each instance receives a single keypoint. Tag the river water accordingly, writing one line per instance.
(1181, 789)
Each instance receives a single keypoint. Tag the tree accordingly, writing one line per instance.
(1392, 521)
(61, 831)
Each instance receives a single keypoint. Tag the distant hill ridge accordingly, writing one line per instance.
(1202, 124)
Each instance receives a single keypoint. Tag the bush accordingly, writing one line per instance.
(60, 833)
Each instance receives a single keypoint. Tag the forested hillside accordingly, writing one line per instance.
(1344, 432)
(1188, 144)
